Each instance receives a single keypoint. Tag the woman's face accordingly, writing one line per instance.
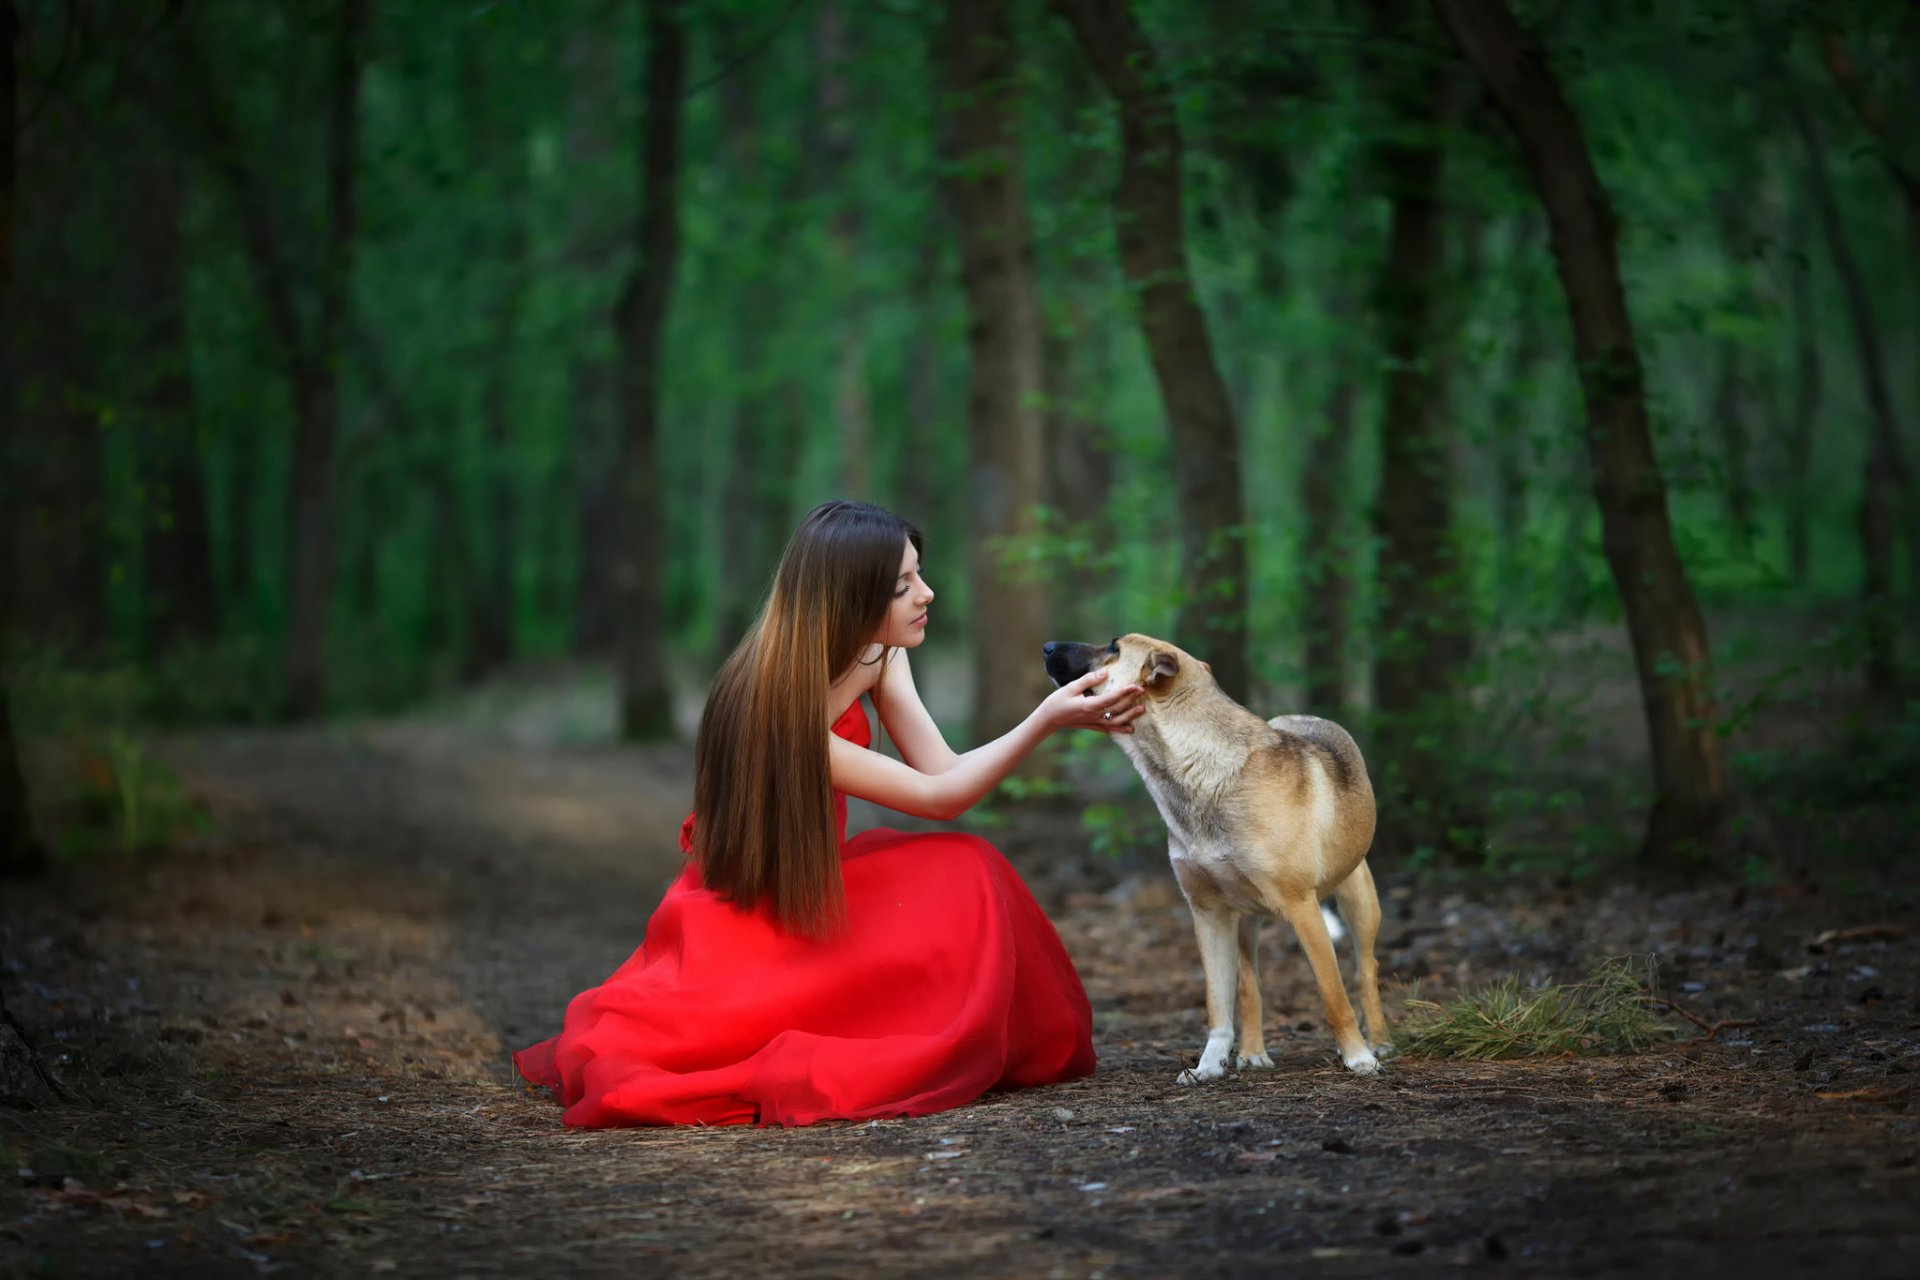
(906, 623)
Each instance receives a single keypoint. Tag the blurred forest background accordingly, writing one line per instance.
(1533, 389)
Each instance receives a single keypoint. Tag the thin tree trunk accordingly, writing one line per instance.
(1806, 409)
(646, 709)
(1904, 170)
(61, 558)
(1663, 617)
(1079, 468)
(1729, 409)
(925, 495)
(1206, 450)
(1327, 583)
(1513, 406)
(179, 540)
(1424, 635)
(852, 406)
(310, 501)
(758, 481)
(1006, 428)
(595, 618)
(1885, 482)
(20, 852)
(592, 239)
(59, 368)
(1075, 360)
(1730, 419)
(490, 603)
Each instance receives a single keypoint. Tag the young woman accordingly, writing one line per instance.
(790, 974)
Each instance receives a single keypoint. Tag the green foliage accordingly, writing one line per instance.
(125, 803)
(816, 347)
(1608, 1013)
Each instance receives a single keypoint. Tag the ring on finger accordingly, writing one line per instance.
(1106, 715)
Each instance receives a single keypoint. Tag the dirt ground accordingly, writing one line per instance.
(290, 1048)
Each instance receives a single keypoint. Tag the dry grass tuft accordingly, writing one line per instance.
(1608, 1013)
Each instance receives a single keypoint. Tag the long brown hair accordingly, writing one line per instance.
(765, 833)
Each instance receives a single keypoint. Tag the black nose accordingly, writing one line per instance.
(1046, 650)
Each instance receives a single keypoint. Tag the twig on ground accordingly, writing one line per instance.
(1712, 1029)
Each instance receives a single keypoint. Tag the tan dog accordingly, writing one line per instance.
(1264, 818)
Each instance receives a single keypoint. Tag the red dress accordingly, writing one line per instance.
(947, 981)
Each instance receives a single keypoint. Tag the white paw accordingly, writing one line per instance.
(1362, 1063)
(1205, 1071)
(1258, 1062)
(1384, 1051)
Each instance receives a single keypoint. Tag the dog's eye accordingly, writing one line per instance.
(1113, 645)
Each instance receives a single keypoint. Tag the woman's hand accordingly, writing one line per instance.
(1109, 711)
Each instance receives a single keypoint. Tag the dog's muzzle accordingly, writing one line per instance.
(1068, 660)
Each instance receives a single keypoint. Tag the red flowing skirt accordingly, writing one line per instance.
(947, 981)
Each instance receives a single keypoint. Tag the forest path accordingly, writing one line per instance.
(296, 1037)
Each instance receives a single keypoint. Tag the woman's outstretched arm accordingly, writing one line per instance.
(953, 790)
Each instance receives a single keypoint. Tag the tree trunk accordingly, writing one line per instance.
(179, 540)
(60, 367)
(1424, 634)
(1513, 406)
(1736, 447)
(490, 599)
(646, 709)
(926, 495)
(311, 481)
(61, 554)
(20, 853)
(1729, 409)
(1663, 618)
(1327, 581)
(1006, 430)
(1903, 169)
(1885, 483)
(596, 444)
(592, 237)
(1806, 407)
(764, 446)
(1079, 466)
(1206, 451)
(852, 406)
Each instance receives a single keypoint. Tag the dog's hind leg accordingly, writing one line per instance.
(1303, 913)
(1215, 928)
(1360, 904)
(1253, 1032)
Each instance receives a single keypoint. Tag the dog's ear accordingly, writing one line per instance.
(1162, 666)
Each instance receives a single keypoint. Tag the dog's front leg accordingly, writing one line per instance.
(1218, 931)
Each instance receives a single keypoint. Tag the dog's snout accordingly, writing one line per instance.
(1066, 660)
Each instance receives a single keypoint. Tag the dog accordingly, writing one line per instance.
(1264, 818)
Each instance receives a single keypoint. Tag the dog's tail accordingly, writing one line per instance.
(1336, 927)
